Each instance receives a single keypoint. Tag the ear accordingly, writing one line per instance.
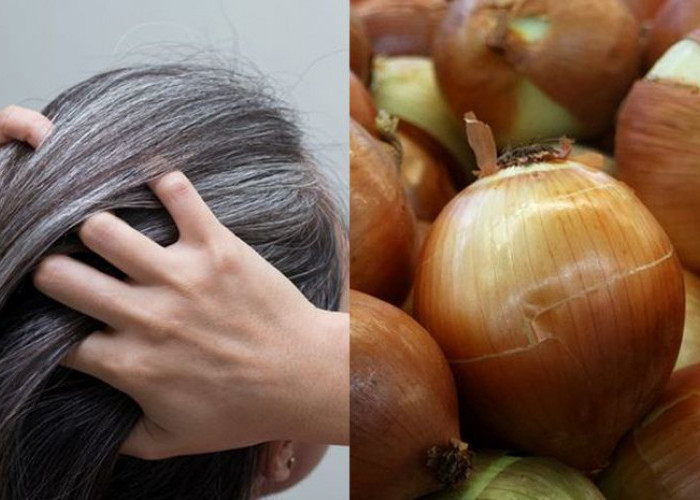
(279, 461)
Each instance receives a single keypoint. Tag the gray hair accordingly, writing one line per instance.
(60, 430)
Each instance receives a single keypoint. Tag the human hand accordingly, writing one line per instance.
(219, 349)
(23, 124)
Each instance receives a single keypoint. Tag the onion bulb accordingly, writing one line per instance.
(402, 27)
(657, 145)
(599, 159)
(644, 10)
(537, 69)
(690, 346)
(659, 459)
(382, 225)
(406, 87)
(675, 20)
(360, 48)
(362, 108)
(404, 426)
(499, 476)
(557, 299)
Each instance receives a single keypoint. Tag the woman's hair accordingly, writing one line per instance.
(60, 430)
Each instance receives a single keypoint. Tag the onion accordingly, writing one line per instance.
(401, 27)
(659, 460)
(403, 407)
(424, 173)
(597, 159)
(406, 87)
(675, 19)
(360, 48)
(690, 347)
(536, 69)
(382, 227)
(658, 145)
(362, 108)
(556, 297)
(499, 476)
(644, 10)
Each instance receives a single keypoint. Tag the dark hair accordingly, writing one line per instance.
(60, 430)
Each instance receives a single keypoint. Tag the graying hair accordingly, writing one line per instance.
(60, 430)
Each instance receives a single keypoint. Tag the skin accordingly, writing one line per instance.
(172, 343)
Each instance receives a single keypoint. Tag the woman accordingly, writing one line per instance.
(60, 430)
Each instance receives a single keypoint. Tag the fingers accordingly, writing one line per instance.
(124, 247)
(193, 218)
(23, 125)
(91, 356)
(88, 291)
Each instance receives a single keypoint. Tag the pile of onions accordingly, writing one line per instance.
(382, 227)
(659, 460)
(658, 145)
(497, 475)
(538, 69)
(360, 48)
(557, 299)
(404, 427)
(406, 87)
(676, 19)
(398, 27)
(690, 347)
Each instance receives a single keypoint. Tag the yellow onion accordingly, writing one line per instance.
(596, 158)
(360, 48)
(406, 87)
(644, 9)
(690, 347)
(657, 145)
(500, 476)
(536, 69)
(659, 459)
(676, 19)
(400, 27)
(425, 172)
(404, 427)
(557, 299)
(382, 225)
(362, 108)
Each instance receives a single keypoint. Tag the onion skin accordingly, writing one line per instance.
(382, 225)
(644, 9)
(675, 19)
(402, 27)
(360, 48)
(362, 108)
(402, 402)
(659, 459)
(584, 64)
(424, 173)
(658, 155)
(499, 476)
(690, 347)
(558, 300)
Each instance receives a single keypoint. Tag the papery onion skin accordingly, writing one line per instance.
(360, 48)
(425, 173)
(658, 154)
(558, 300)
(402, 27)
(499, 476)
(659, 459)
(690, 347)
(576, 72)
(674, 21)
(382, 225)
(362, 108)
(402, 402)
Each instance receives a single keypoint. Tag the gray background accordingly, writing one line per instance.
(46, 46)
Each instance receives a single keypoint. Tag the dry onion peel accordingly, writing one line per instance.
(558, 300)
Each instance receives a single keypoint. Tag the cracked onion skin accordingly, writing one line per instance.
(657, 146)
(382, 224)
(536, 69)
(659, 459)
(402, 403)
(558, 300)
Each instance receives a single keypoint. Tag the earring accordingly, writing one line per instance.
(290, 463)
